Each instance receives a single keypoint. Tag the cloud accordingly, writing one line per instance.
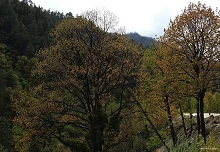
(147, 17)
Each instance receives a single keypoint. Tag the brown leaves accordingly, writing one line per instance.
(193, 39)
(79, 75)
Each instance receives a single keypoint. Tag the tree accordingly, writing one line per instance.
(9, 80)
(192, 40)
(104, 19)
(149, 98)
(83, 71)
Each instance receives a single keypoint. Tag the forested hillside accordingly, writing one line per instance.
(24, 29)
(74, 83)
(144, 41)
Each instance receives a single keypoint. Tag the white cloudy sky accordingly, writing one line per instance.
(147, 17)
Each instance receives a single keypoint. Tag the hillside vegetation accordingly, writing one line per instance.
(145, 42)
(75, 83)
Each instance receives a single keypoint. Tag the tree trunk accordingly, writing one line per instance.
(201, 100)
(191, 116)
(183, 120)
(172, 130)
(198, 116)
(98, 123)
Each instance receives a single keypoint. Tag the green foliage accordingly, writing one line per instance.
(82, 84)
(9, 80)
(24, 29)
(189, 145)
(153, 142)
(2, 149)
(25, 26)
(6, 138)
(212, 102)
(193, 105)
(213, 143)
(217, 98)
(24, 67)
(73, 132)
(76, 145)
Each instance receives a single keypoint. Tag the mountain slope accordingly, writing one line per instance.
(142, 40)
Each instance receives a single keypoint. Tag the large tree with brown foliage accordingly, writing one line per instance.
(84, 70)
(192, 39)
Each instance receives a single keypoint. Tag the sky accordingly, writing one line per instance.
(146, 17)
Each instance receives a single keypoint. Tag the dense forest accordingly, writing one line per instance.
(77, 83)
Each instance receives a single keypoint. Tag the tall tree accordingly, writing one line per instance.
(193, 41)
(80, 74)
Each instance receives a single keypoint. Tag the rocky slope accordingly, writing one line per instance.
(212, 131)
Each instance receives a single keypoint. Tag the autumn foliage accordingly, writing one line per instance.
(192, 39)
(92, 89)
(83, 71)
